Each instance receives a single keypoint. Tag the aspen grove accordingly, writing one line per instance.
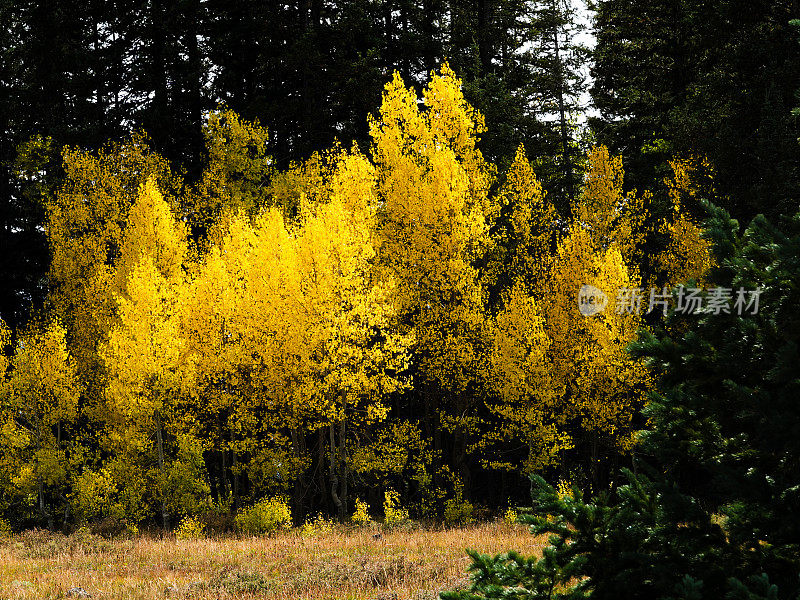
(400, 318)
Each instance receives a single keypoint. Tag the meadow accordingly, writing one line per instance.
(342, 564)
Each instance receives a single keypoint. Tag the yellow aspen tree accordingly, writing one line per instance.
(302, 321)
(205, 311)
(433, 228)
(85, 222)
(267, 335)
(687, 255)
(354, 353)
(397, 449)
(521, 393)
(601, 386)
(612, 216)
(520, 373)
(236, 174)
(527, 226)
(153, 232)
(588, 352)
(310, 178)
(146, 356)
(44, 391)
(231, 315)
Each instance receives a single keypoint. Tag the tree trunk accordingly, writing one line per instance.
(460, 442)
(343, 465)
(160, 443)
(223, 462)
(321, 464)
(235, 480)
(334, 477)
(300, 483)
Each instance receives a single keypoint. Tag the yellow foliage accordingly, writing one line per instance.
(190, 528)
(238, 167)
(361, 515)
(309, 179)
(311, 294)
(85, 223)
(319, 525)
(510, 516)
(44, 387)
(145, 352)
(5, 529)
(94, 495)
(42, 397)
(396, 448)
(152, 232)
(457, 509)
(611, 216)
(602, 386)
(532, 220)
(687, 255)
(393, 511)
(563, 489)
(5, 340)
(266, 516)
(432, 224)
(521, 375)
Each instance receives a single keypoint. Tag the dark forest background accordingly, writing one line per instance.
(717, 78)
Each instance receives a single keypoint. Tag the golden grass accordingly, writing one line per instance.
(340, 565)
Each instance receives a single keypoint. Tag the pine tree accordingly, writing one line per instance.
(711, 78)
(711, 512)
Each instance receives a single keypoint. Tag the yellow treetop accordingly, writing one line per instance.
(687, 255)
(85, 224)
(432, 221)
(532, 220)
(604, 209)
(153, 232)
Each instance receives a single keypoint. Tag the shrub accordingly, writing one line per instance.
(510, 516)
(393, 511)
(456, 509)
(5, 529)
(190, 528)
(316, 526)
(116, 494)
(361, 515)
(267, 516)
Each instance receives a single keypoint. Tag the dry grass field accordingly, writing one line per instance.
(346, 564)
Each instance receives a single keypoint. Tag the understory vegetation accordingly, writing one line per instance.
(344, 562)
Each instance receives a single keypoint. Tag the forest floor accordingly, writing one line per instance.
(345, 564)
